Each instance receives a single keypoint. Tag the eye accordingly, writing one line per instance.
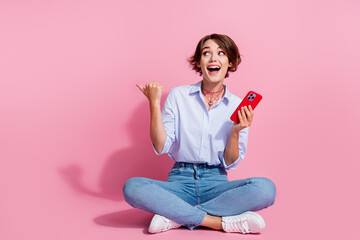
(222, 53)
(205, 53)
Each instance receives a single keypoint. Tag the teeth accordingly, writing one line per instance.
(214, 68)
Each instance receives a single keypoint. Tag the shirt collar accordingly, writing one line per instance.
(197, 88)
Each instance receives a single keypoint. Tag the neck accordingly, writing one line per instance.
(212, 87)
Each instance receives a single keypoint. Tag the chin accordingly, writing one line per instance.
(214, 79)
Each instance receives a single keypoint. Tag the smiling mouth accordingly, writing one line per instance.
(213, 69)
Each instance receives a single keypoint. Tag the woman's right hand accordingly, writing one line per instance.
(152, 91)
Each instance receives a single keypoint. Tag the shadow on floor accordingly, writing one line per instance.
(137, 160)
(130, 218)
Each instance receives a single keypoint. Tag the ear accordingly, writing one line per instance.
(198, 65)
(230, 64)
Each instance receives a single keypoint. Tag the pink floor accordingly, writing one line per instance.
(66, 212)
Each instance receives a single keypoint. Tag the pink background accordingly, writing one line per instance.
(74, 127)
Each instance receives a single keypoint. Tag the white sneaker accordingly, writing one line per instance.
(161, 224)
(247, 222)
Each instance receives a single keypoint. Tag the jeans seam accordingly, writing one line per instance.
(201, 217)
(216, 199)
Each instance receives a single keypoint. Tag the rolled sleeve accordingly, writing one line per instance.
(166, 147)
(243, 139)
(168, 119)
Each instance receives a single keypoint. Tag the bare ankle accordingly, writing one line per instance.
(213, 222)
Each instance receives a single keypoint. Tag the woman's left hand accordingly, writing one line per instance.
(246, 115)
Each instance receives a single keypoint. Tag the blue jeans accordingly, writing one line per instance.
(194, 190)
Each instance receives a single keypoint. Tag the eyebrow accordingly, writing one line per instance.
(209, 47)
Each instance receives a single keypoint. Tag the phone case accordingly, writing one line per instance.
(252, 99)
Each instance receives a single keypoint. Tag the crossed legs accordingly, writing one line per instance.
(175, 202)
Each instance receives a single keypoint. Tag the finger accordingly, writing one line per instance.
(243, 115)
(157, 84)
(244, 123)
(251, 112)
(248, 114)
(241, 119)
(141, 88)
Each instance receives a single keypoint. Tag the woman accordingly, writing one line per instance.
(195, 129)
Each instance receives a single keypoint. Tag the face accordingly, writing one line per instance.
(213, 63)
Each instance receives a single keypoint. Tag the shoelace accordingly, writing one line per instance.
(169, 224)
(238, 225)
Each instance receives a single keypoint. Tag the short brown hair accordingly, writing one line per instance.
(225, 43)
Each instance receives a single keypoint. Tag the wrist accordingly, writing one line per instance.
(154, 103)
(235, 131)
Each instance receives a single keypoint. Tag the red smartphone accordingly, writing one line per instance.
(252, 99)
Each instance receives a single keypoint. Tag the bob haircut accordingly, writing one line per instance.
(225, 43)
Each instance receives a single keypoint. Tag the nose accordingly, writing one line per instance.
(213, 58)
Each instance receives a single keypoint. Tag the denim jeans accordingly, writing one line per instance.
(194, 190)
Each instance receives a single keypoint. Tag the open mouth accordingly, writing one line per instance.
(214, 69)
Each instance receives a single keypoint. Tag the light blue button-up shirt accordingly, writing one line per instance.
(196, 135)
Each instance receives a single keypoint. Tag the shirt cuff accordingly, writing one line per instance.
(234, 164)
(166, 147)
